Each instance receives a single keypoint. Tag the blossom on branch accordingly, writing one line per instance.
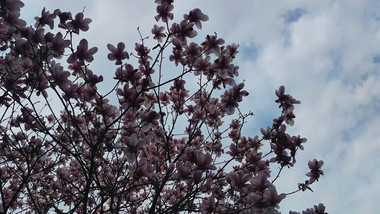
(152, 141)
(118, 53)
(79, 23)
(83, 53)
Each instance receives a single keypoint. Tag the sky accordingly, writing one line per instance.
(326, 53)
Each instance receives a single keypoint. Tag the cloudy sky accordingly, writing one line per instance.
(325, 52)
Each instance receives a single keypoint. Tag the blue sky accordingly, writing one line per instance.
(326, 53)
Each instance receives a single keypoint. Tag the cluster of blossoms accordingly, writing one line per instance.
(144, 146)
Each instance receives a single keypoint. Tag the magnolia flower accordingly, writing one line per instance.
(13, 19)
(12, 4)
(285, 100)
(208, 204)
(315, 170)
(204, 161)
(58, 45)
(118, 53)
(319, 209)
(149, 120)
(158, 33)
(239, 179)
(133, 144)
(231, 97)
(143, 168)
(260, 182)
(60, 76)
(196, 16)
(45, 19)
(272, 198)
(183, 170)
(63, 18)
(83, 53)
(183, 30)
(79, 23)
(192, 51)
(128, 73)
(164, 12)
(212, 44)
(3, 29)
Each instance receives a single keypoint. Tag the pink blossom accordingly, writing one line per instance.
(192, 51)
(79, 23)
(208, 204)
(151, 141)
(232, 97)
(3, 29)
(212, 44)
(149, 120)
(204, 161)
(315, 170)
(143, 168)
(158, 33)
(13, 19)
(128, 73)
(183, 30)
(239, 179)
(196, 16)
(183, 170)
(272, 198)
(133, 144)
(164, 12)
(58, 45)
(60, 76)
(83, 53)
(45, 19)
(63, 18)
(12, 4)
(118, 53)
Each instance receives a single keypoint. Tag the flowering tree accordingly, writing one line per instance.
(152, 144)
